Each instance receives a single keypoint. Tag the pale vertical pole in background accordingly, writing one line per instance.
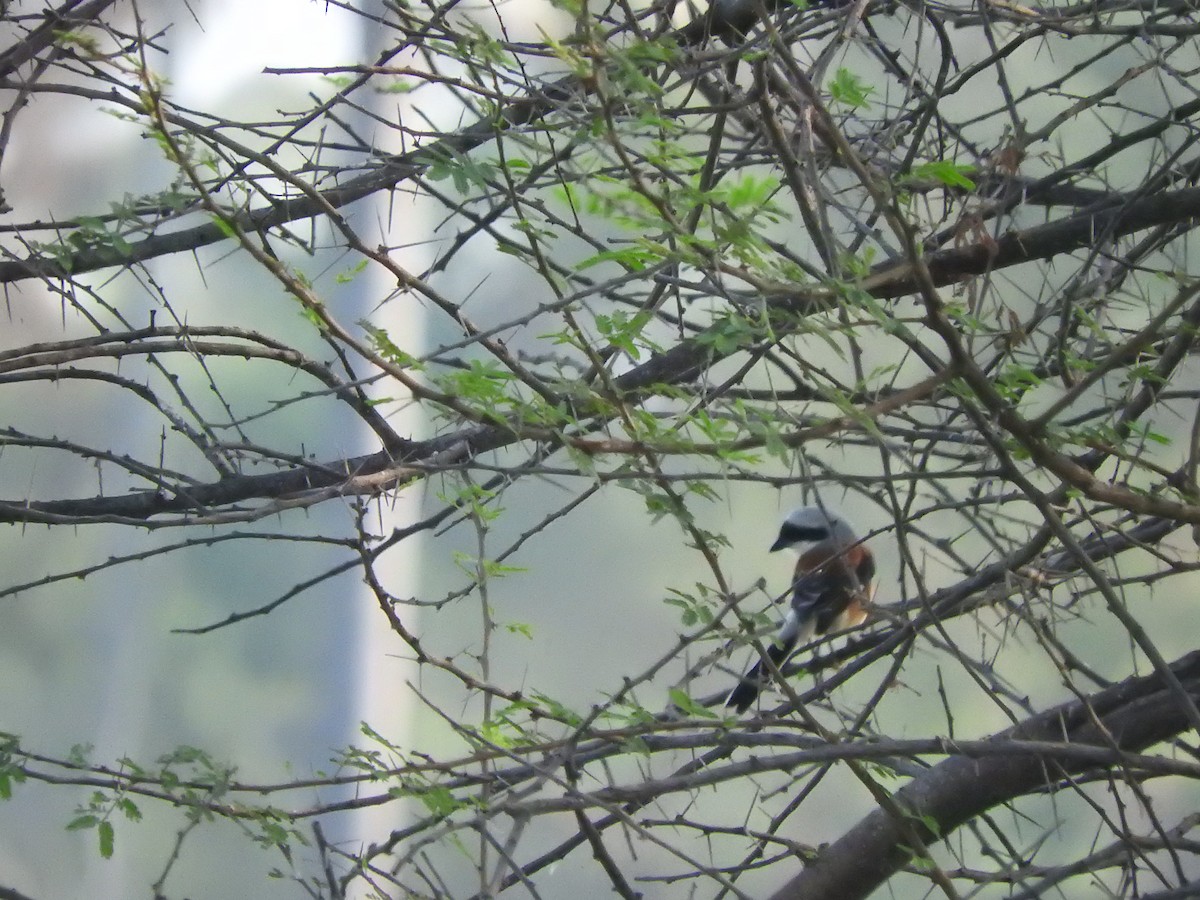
(135, 689)
(383, 663)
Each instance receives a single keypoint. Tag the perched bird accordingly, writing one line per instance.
(725, 19)
(831, 589)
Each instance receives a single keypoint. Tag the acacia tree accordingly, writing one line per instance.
(929, 263)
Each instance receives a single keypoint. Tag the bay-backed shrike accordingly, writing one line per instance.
(831, 590)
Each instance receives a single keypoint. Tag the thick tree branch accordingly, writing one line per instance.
(680, 363)
(1121, 217)
(72, 14)
(1131, 716)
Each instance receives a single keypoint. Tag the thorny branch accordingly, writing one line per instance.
(881, 255)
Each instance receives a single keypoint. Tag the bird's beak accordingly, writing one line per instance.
(780, 543)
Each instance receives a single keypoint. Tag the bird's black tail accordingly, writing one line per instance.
(743, 696)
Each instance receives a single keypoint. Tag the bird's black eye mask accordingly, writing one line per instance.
(794, 534)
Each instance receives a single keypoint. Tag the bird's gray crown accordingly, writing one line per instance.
(811, 525)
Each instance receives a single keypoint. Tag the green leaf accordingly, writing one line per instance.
(397, 86)
(556, 710)
(729, 334)
(81, 822)
(104, 832)
(495, 569)
(685, 704)
(439, 801)
(349, 275)
(932, 825)
(948, 173)
(224, 226)
(750, 192)
(635, 259)
(623, 332)
(922, 863)
(129, 808)
(79, 39)
(522, 628)
(460, 168)
(694, 610)
(494, 733)
(849, 90)
(384, 346)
